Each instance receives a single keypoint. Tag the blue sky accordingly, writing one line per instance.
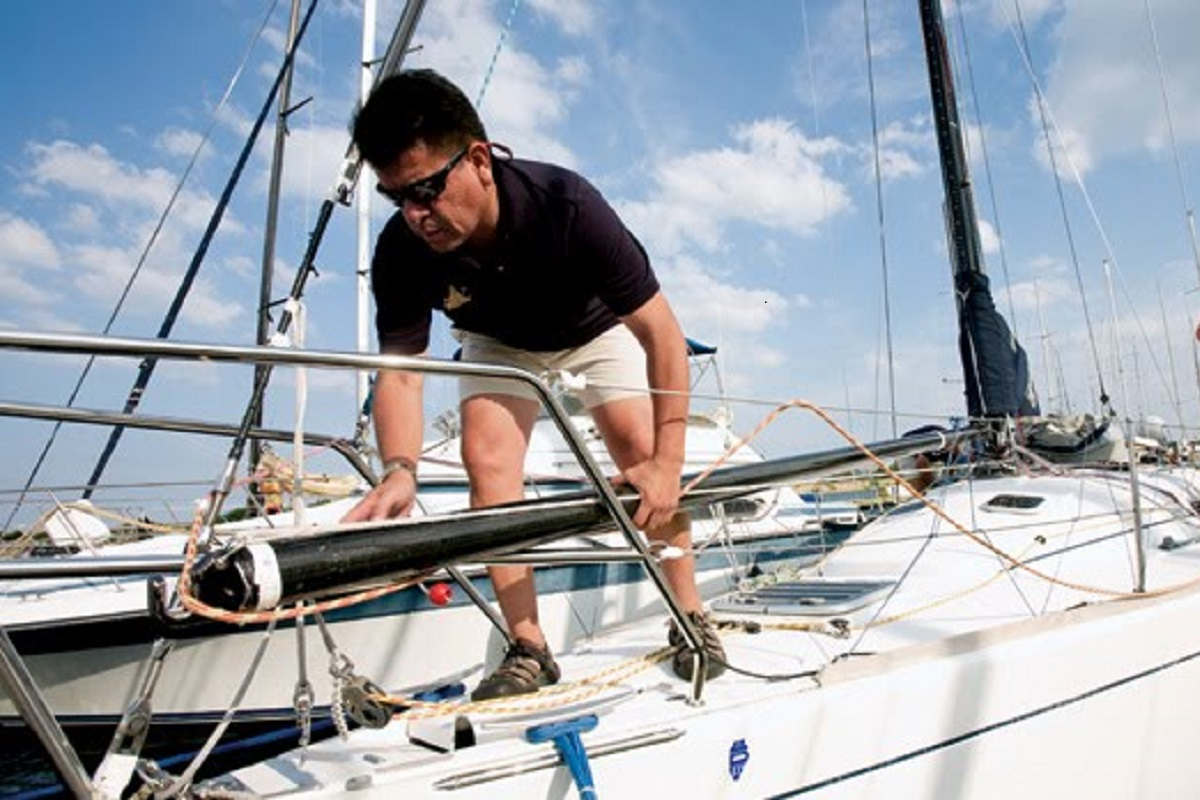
(734, 139)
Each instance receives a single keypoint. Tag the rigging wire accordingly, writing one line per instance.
(887, 307)
(1183, 194)
(150, 243)
(1189, 216)
(987, 170)
(1049, 122)
(1162, 308)
(1023, 47)
(816, 116)
(267, 269)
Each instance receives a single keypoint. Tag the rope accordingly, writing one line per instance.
(937, 510)
(548, 697)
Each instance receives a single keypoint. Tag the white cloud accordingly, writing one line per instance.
(1103, 87)
(312, 158)
(1032, 11)
(989, 240)
(773, 178)
(24, 243)
(90, 170)
(101, 272)
(107, 210)
(574, 70)
(704, 302)
(26, 254)
(15, 288)
(523, 102)
(1047, 293)
(178, 142)
(82, 219)
(276, 38)
(900, 146)
(575, 17)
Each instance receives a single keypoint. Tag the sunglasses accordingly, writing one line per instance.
(424, 191)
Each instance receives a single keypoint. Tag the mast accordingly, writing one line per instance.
(267, 272)
(994, 366)
(363, 218)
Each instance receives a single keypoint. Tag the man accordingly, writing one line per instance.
(534, 270)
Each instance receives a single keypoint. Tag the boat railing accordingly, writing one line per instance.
(17, 680)
(77, 344)
(81, 416)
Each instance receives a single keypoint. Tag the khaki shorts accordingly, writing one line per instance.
(613, 366)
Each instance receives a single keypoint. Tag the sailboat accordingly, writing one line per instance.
(1023, 630)
(1026, 630)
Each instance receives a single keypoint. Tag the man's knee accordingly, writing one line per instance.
(677, 526)
(484, 457)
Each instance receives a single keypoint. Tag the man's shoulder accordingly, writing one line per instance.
(542, 177)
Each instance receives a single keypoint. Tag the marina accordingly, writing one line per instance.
(996, 603)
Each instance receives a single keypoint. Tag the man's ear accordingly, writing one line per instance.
(481, 158)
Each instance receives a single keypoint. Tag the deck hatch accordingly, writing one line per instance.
(1014, 502)
(810, 597)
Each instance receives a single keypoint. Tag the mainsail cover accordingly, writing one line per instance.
(991, 353)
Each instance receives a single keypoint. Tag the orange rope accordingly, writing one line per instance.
(933, 507)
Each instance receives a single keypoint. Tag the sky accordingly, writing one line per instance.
(785, 186)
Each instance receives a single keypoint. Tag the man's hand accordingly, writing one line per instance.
(658, 485)
(393, 497)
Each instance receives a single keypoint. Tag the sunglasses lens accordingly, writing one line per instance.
(424, 191)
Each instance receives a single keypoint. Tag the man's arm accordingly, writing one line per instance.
(657, 480)
(399, 427)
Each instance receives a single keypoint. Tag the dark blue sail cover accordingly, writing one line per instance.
(992, 354)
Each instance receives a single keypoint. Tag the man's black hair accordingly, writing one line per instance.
(410, 106)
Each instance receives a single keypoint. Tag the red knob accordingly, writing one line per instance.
(440, 594)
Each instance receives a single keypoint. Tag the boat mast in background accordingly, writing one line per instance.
(267, 273)
(363, 200)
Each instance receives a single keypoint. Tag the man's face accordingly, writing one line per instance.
(445, 197)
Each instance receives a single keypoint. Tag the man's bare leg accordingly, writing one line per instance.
(495, 437)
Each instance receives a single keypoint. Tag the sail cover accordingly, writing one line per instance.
(991, 354)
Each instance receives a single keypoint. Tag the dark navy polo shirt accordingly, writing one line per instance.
(563, 269)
